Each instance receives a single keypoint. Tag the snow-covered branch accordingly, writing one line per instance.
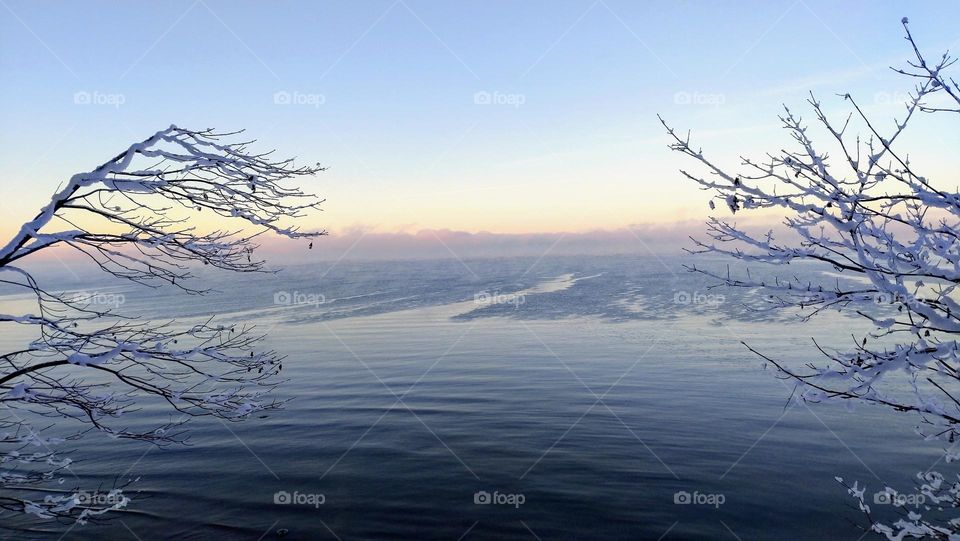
(135, 217)
(859, 206)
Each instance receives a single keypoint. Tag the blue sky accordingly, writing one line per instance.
(385, 93)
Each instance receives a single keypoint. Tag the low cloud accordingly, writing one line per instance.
(369, 244)
(366, 244)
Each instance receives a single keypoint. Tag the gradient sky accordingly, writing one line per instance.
(575, 145)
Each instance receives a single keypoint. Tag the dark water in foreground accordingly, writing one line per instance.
(585, 409)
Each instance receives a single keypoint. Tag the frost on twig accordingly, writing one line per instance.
(135, 217)
(865, 210)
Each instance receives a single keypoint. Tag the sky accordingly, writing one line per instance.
(513, 119)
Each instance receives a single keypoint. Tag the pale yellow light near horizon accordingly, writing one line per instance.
(568, 206)
(606, 187)
(510, 203)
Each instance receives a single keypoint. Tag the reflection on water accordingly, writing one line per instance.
(430, 403)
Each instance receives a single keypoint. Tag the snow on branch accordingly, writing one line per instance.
(136, 217)
(859, 205)
(142, 204)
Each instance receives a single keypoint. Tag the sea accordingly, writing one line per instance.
(567, 397)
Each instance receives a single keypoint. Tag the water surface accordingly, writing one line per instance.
(595, 389)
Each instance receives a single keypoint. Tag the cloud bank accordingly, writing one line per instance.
(367, 244)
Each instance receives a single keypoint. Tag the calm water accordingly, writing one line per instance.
(590, 390)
